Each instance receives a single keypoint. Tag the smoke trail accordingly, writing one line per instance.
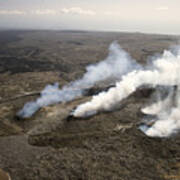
(168, 121)
(114, 66)
(162, 105)
(165, 71)
(165, 125)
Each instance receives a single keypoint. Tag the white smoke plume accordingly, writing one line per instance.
(114, 66)
(164, 71)
(161, 105)
(168, 116)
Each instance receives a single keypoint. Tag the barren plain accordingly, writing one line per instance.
(52, 146)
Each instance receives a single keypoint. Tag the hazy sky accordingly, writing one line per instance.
(154, 16)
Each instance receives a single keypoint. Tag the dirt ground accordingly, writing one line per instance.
(51, 146)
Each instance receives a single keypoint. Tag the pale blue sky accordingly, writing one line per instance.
(155, 16)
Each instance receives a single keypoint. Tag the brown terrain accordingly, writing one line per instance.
(53, 146)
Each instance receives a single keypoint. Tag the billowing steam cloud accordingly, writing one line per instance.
(161, 105)
(164, 71)
(168, 116)
(114, 66)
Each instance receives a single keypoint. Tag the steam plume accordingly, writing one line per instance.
(168, 121)
(164, 71)
(114, 66)
(161, 105)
